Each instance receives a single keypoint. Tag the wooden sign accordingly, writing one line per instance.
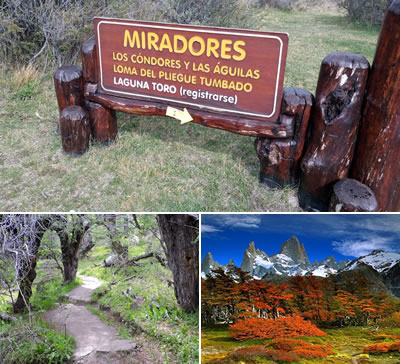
(229, 71)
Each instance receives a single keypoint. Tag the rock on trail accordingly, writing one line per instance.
(92, 336)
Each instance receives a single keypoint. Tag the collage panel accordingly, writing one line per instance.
(99, 288)
(199, 181)
(302, 288)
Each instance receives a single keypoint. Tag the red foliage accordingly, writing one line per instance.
(382, 348)
(302, 348)
(279, 355)
(258, 328)
(281, 350)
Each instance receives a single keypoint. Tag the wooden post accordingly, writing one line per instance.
(75, 130)
(334, 122)
(350, 195)
(68, 82)
(377, 157)
(103, 122)
(89, 61)
(280, 158)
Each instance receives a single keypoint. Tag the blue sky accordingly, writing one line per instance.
(345, 236)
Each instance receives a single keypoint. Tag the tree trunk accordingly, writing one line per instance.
(28, 272)
(25, 285)
(179, 234)
(70, 245)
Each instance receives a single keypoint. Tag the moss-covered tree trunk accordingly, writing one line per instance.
(179, 235)
(71, 237)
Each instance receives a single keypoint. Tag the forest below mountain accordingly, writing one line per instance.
(306, 318)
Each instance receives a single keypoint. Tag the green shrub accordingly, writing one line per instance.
(50, 292)
(365, 11)
(289, 4)
(44, 30)
(34, 344)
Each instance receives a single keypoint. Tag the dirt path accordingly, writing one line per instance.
(96, 342)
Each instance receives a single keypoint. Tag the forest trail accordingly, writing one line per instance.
(95, 341)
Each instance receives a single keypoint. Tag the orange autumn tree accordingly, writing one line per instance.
(283, 327)
(232, 296)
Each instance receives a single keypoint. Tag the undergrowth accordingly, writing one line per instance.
(50, 293)
(35, 343)
(152, 306)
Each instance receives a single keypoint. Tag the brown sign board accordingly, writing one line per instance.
(229, 71)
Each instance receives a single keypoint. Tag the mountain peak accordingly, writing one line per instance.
(208, 264)
(248, 258)
(251, 248)
(293, 249)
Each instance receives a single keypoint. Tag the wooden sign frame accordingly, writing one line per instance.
(238, 121)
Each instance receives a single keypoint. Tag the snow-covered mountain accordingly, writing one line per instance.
(292, 260)
(381, 269)
(208, 264)
(381, 261)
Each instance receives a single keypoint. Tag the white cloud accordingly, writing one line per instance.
(241, 221)
(360, 247)
(209, 229)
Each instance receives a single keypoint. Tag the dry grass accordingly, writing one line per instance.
(156, 164)
(23, 75)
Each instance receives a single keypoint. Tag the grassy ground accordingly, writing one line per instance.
(156, 164)
(347, 343)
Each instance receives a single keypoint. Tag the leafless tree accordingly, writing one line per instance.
(20, 237)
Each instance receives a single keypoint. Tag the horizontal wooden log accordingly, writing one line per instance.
(280, 158)
(334, 120)
(89, 61)
(75, 130)
(8, 318)
(350, 195)
(103, 122)
(68, 83)
(377, 157)
(236, 125)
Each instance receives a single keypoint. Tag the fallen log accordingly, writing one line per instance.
(8, 318)
(334, 120)
(133, 260)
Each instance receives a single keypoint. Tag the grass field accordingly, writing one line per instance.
(156, 164)
(347, 343)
